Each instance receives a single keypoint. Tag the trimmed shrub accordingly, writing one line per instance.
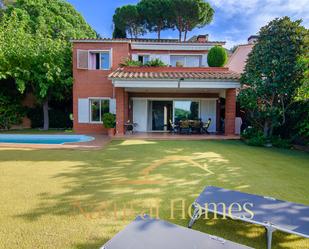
(217, 57)
(109, 120)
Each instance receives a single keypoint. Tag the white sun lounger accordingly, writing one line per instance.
(268, 212)
(147, 233)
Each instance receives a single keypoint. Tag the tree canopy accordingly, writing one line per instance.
(119, 33)
(35, 49)
(128, 19)
(189, 14)
(156, 15)
(272, 74)
(159, 15)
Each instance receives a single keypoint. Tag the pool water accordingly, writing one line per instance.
(43, 139)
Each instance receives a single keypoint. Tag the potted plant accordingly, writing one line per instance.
(109, 122)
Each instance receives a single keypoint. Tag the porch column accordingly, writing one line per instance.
(121, 109)
(230, 111)
(218, 116)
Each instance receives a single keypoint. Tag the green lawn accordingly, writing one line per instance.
(80, 199)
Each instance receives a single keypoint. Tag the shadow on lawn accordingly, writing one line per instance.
(137, 178)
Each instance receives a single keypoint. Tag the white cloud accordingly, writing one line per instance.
(248, 16)
(232, 7)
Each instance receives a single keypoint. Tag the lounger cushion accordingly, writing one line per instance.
(282, 215)
(147, 233)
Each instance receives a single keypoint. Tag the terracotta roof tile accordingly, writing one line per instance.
(174, 73)
(144, 40)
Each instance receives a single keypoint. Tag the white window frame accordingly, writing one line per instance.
(149, 55)
(110, 51)
(201, 58)
(89, 104)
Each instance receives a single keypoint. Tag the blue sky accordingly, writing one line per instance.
(234, 20)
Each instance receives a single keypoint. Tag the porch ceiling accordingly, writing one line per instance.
(171, 90)
(186, 85)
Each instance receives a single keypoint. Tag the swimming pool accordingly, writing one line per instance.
(43, 139)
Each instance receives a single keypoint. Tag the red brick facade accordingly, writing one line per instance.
(95, 83)
(230, 111)
(122, 110)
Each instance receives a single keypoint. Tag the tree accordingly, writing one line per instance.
(127, 18)
(119, 33)
(4, 3)
(156, 15)
(189, 14)
(272, 75)
(217, 57)
(302, 93)
(35, 48)
(11, 111)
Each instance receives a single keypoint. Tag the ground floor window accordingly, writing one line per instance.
(97, 108)
(186, 109)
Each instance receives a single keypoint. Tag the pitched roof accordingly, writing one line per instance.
(174, 73)
(237, 61)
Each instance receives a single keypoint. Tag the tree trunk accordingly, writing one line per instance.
(185, 38)
(266, 129)
(45, 113)
(159, 34)
(180, 33)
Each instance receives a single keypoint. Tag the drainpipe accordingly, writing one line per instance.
(180, 79)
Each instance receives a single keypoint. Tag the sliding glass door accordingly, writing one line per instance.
(162, 113)
(186, 110)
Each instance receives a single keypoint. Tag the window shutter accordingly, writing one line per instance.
(83, 111)
(82, 59)
(112, 106)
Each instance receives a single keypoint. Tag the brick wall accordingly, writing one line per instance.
(230, 111)
(121, 110)
(94, 83)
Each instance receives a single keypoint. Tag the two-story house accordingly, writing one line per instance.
(151, 97)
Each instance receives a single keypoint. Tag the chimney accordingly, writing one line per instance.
(202, 38)
(252, 39)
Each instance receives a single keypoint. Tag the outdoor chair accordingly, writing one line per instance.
(206, 126)
(267, 211)
(173, 127)
(147, 233)
(129, 127)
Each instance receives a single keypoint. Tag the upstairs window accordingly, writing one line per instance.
(186, 60)
(94, 60)
(143, 59)
(99, 60)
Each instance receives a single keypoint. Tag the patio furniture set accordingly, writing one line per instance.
(190, 126)
(180, 127)
(145, 232)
